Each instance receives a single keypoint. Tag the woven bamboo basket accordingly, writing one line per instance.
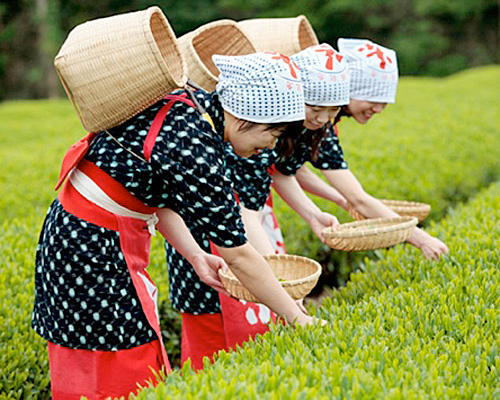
(401, 207)
(113, 68)
(282, 35)
(370, 234)
(219, 37)
(298, 276)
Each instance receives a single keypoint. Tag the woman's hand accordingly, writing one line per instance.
(341, 201)
(304, 320)
(290, 191)
(432, 247)
(322, 220)
(206, 267)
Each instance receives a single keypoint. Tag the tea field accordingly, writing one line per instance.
(403, 327)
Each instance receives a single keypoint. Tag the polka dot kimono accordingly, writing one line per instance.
(251, 177)
(84, 296)
(330, 154)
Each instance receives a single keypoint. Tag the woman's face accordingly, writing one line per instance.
(318, 116)
(362, 111)
(250, 140)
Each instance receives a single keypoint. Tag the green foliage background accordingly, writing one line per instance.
(431, 37)
(402, 327)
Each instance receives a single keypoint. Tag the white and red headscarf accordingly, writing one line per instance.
(373, 68)
(325, 74)
(261, 87)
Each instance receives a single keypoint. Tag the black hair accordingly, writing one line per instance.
(286, 141)
(281, 126)
(344, 112)
(312, 138)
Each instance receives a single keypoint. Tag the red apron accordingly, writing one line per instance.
(243, 320)
(206, 334)
(99, 374)
(135, 242)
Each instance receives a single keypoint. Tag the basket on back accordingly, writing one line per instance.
(282, 35)
(219, 37)
(113, 68)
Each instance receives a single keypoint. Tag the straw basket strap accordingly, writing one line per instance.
(402, 207)
(282, 35)
(370, 234)
(298, 276)
(219, 37)
(113, 68)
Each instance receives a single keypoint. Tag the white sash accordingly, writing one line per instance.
(92, 192)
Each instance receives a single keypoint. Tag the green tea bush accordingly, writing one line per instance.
(23, 357)
(405, 328)
(434, 145)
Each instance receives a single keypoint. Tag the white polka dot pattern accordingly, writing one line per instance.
(250, 176)
(84, 297)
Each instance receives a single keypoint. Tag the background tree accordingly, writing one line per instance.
(432, 37)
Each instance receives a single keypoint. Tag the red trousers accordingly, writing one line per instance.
(101, 374)
(204, 335)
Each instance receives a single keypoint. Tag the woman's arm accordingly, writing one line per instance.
(347, 184)
(246, 263)
(256, 275)
(259, 239)
(175, 231)
(257, 236)
(290, 191)
(313, 184)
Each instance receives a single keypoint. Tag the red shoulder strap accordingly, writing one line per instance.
(73, 156)
(158, 122)
(336, 129)
(78, 150)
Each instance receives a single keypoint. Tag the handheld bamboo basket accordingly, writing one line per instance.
(370, 234)
(113, 68)
(401, 207)
(223, 37)
(298, 276)
(282, 35)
